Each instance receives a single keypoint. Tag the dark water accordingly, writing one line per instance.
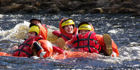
(124, 30)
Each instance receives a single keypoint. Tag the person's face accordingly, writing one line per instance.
(35, 22)
(31, 34)
(83, 32)
(68, 29)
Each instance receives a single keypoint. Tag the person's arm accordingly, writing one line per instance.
(15, 47)
(58, 50)
(57, 33)
(39, 50)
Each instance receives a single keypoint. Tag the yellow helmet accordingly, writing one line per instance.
(85, 27)
(68, 22)
(34, 29)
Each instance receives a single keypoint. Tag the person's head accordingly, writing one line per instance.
(68, 25)
(84, 27)
(34, 22)
(33, 31)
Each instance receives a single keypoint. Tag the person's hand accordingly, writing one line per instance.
(35, 57)
(15, 47)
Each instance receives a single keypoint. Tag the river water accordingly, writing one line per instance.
(123, 28)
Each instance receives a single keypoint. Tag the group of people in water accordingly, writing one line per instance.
(69, 37)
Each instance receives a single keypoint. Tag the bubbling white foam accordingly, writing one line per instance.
(16, 33)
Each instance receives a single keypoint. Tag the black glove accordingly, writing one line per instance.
(37, 46)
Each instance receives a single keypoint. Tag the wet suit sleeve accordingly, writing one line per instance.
(57, 33)
(58, 50)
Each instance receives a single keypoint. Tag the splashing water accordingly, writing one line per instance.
(18, 32)
(124, 30)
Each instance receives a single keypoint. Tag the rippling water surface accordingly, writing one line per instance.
(124, 29)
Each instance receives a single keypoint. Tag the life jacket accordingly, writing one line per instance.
(24, 49)
(43, 31)
(87, 43)
(115, 52)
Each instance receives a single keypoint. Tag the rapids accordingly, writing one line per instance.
(123, 28)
